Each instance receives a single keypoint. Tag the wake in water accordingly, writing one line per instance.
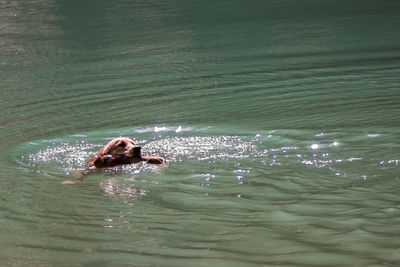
(59, 158)
(75, 156)
(339, 154)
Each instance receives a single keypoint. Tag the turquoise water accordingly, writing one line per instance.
(279, 121)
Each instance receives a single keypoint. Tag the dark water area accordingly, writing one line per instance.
(279, 122)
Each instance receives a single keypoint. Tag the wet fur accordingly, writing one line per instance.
(120, 151)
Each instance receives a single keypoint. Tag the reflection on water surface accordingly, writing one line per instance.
(278, 119)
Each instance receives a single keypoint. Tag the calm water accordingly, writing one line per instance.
(279, 121)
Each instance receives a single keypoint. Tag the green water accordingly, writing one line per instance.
(279, 121)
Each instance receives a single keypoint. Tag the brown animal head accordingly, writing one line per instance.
(121, 150)
(121, 146)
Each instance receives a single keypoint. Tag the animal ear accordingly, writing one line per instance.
(104, 151)
(100, 160)
(94, 161)
(121, 144)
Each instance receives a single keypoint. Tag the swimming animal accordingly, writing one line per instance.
(121, 150)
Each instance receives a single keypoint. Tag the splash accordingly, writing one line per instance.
(74, 156)
(258, 152)
(205, 148)
(62, 158)
(68, 156)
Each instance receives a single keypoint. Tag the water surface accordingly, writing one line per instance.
(279, 122)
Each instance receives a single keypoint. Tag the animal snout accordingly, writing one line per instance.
(134, 151)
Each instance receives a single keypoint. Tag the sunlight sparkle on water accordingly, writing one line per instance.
(179, 129)
(314, 146)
